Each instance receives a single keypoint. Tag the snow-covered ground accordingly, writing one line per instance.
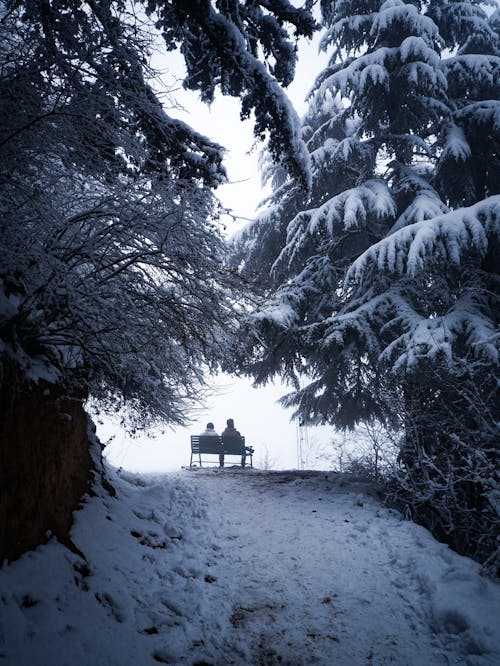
(245, 567)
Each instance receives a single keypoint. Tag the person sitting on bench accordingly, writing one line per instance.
(231, 431)
(210, 432)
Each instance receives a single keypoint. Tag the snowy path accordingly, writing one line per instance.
(319, 573)
(213, 568)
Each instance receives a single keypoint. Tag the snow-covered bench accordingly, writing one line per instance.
(211, 445)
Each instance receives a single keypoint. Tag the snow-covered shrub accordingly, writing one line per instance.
(370, 450)
(448, 475)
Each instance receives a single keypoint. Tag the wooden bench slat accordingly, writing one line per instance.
(207, 443)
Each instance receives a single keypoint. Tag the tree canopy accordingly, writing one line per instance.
(392, 130)
(112, 271)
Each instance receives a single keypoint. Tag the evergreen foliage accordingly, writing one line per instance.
(384, 284)
(112, 276)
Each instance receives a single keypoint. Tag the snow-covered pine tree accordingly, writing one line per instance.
(413, 334)
(434, 288)
(370, 156)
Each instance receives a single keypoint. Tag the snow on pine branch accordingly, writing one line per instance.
(433, 337)
(256, 78)
(447, 237)
(399, 13)
(456, 145)
(349, 210)
(426, 205)
(473, 69)
(416, 335)
(485, 112)
(373, 69)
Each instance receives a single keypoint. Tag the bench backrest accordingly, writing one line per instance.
(213, 444)
(206, 444)
(233, 444)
